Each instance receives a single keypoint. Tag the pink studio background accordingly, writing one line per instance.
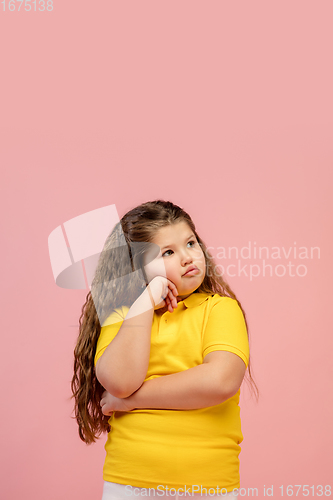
(224, 108)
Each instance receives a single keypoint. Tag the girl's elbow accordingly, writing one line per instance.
(108, 386)
(105, 380)
(129, 388)
(120, 392)
(117, 389)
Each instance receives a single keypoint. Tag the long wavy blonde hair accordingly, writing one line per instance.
(136, 228)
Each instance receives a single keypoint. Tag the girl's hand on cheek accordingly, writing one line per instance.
(163, 292)
(171, 300)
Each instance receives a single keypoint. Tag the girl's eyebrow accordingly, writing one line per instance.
(166, 246)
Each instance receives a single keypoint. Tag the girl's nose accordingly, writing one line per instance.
(186, 258)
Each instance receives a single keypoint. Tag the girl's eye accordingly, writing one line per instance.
(192, 241)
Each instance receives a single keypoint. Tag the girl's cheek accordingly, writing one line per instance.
(156, 268)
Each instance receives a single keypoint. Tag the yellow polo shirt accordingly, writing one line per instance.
(180, 449)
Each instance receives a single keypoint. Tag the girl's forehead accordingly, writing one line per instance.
(170, 231)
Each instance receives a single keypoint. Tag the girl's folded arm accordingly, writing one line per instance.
(208, 384)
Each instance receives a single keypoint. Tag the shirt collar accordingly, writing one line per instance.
(195, 299)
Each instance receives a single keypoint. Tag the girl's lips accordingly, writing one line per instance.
(190, 273)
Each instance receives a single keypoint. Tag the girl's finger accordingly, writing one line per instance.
(173, 292)
(172, 302)
(173, 288)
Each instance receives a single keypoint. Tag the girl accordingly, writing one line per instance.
(160, 358)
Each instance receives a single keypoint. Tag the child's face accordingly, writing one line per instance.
(179, 249)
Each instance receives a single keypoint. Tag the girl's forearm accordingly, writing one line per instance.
(198, 387)
(124, 363)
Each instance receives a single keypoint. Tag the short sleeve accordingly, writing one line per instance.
(109, 330)
(226, 330)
